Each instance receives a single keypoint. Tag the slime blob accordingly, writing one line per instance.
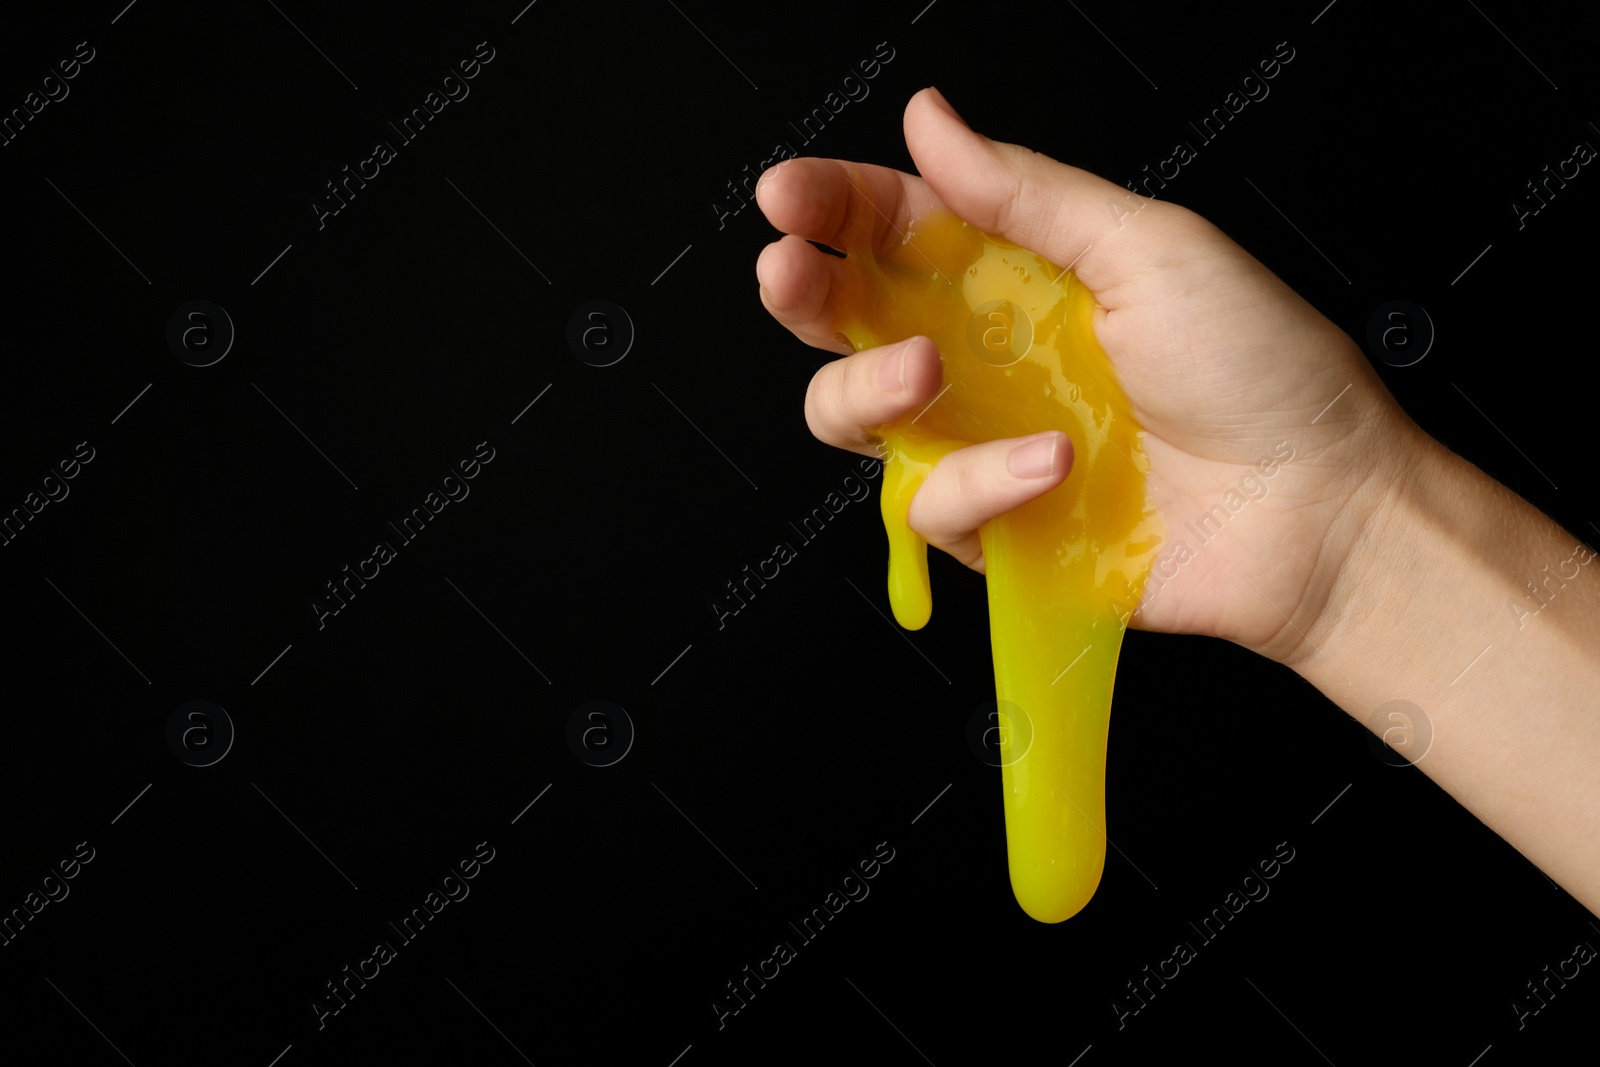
(1065, 570)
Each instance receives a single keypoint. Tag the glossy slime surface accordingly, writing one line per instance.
(1065, 570)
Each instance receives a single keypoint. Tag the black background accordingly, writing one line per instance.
(772, 754)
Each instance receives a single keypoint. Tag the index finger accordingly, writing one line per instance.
(835, 202)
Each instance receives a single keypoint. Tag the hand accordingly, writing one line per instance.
(1223, 363)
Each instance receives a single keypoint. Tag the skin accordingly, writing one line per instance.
(1378, 565)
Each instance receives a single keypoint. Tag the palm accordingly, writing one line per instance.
(1226, 368)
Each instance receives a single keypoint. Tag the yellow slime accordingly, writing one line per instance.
(1065, 571)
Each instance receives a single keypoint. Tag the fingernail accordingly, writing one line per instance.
(891, 369)
(1035, 458)
(944, 105)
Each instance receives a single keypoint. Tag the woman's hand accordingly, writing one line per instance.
(1230, 373)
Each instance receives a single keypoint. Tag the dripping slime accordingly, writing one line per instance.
(1064, 571)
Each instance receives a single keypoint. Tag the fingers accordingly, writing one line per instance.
(795, 282)
(847, 206)
(974, 484)
(843, 205)
(1069, 216)
(850, 396)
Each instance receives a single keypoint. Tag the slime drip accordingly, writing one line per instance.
(1065, 570)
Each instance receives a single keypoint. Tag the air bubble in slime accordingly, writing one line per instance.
(1065, 570)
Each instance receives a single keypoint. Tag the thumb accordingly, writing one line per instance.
(1071, 217)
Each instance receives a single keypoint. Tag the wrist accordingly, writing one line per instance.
(1373, 539)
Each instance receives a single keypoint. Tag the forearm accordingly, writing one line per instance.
(1456, 595)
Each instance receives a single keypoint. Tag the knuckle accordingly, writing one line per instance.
(970, 488)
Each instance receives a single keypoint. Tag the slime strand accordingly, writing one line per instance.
(1065, 570)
